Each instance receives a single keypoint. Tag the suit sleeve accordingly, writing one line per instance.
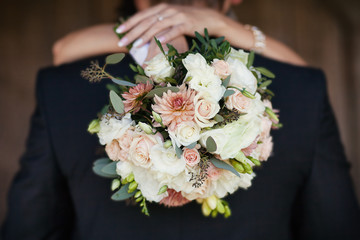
(39, 206)
(328, 208)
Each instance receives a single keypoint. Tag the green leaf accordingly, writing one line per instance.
(159, 45)
(102, 161)
(178, 151)
(251, 58)
(223, 165)
(219, 118)
(142, 79)
(116, 102)
(110, 168)
(265, 84)
(123, 82)
(104, 110)
(192, 145)
(206, 33)
(219, 40)
(201, 38)
(159, 91)
(211, 144)
(226, 81)
(113, 87)
(114, 58)
(140, 70)
(171, 80)
(97, 170)
(213, 44)
(122, 193)
(265, 72)
(228, 92)
(133, 67)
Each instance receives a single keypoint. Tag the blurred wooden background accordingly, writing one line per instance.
(325, 33)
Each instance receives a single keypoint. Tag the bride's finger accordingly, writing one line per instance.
(174, 32)
(140, 16)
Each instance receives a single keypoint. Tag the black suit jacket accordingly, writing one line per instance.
(303, 191)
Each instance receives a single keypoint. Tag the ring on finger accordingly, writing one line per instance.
(159, 17)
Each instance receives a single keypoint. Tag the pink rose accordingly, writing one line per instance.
(213, 172)
(221, 68)
(191, 156)
(174, 199)
(266, 124)
(205, 109)
(139, 153)
(248, 150)
(126, 139)
(238, 101)
(266, 149)
(113, 150)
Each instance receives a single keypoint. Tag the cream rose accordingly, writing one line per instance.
(221, 67)
(205, 109)
(191, 156)
(219, 137)
(241, 77)
(203, 78)
(139, 152)
(158, 68)
(112, 128)
(165, 160)
(185, 134)
(240, 55)
(238, 102)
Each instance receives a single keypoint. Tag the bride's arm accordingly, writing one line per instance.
(87, 42)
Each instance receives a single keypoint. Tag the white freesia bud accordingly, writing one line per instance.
(158, 68)
(167, 144)
(145, 127)
(212, 202)
(206, 210)
(157, 117)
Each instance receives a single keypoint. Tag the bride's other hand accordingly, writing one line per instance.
(179, 20)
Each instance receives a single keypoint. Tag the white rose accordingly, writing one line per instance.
(203, 77)
(241, 77)
(113, 128)
(185, 134)
(124, 169)
(158, 68)
(205, 109)
(165, 160)
(240, 55)
(240, 134)
(219, 137)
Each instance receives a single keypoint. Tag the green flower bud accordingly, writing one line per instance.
(271, 114)
(167, 144)
(94, 126)
(206, 210)
(238, 166)
(132, 187)
(139, 199)
(124, 181)
(255, 161)
(137, 194)
(130, 178)
(214, 213)
(163, 189)
(115, 184)
(157, 117)
(227, 212)
(145, 127)
(212, 201)
(220, 207)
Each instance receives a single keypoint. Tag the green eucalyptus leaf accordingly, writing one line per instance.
(102, 161)
(97, 170)
(133, 67)
(219, 118)
(116, 102)
(122, 193)
(228, 92)
(192, 145)
(265, 84)
(142, 79)
(140, 70)
(171, 80)
(114, 58)
(123, 82)
(110, 168)
(104, 110)
(226, 81)
(251, 58)
(178, 151)
(223, 165)
(211, 144)
(159, 91)
(265, 72)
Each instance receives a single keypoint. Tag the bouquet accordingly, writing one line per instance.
(190, 126)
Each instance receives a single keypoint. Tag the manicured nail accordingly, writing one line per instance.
(122, 42)
(161, 39)
(120, 29)
(138, 42)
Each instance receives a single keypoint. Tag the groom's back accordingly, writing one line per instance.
(302, 192)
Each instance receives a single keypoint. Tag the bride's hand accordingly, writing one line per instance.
(179, 20)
